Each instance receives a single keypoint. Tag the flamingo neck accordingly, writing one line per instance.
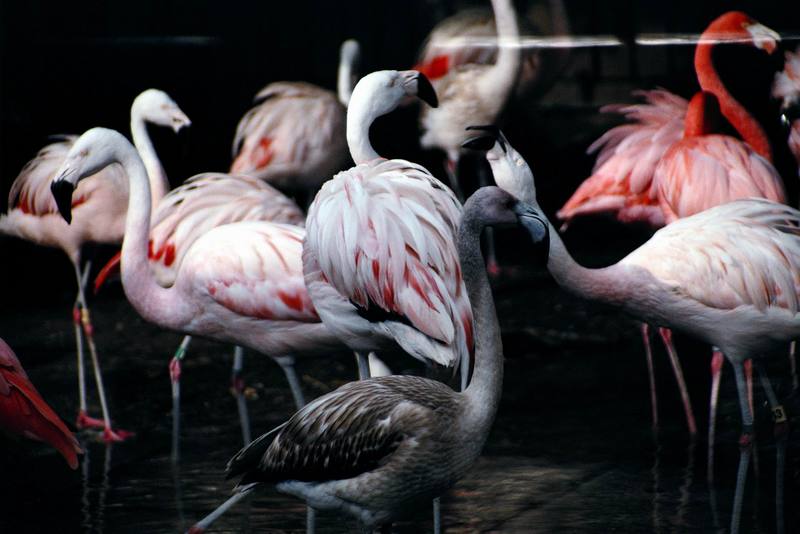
(744, 123)
(344, 78)
(483, 392)
(361, 113)
(159, 184)
(151, 300)
(700, 115)
(499, 81)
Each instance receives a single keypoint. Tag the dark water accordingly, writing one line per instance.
(571, 449)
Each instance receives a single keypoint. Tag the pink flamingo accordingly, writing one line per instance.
(787, 87)
(293, 136)
(99, 206)
(24, 412)
(201, 203)
(379, 257)
(667, 166)
(727, 275)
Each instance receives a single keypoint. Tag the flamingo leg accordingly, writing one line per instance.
(287, 364)
(206, 522)
(88, 330)
(648, 351)
(793, 365)
(745, 445)
(311, 520)
(362, 361)
(437, 516)
(666, 337)
(717, 359)
(748, 375)
(451, 169)
(237, 384)
(83, 418)
(781, 434)
(175, 381)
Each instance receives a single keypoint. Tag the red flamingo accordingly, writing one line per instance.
(24, 412)
(99, 206)
(667, 165)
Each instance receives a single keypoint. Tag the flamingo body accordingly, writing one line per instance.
(700, 172)
(24, 412)
(381, 264)
(293, 137)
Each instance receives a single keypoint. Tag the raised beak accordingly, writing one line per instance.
(425, 91)
(534, 222)
(62, 192)
(180, 121)
(763, 37)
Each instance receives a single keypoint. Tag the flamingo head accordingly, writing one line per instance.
(156, 107)
(510, 170)
(498, 207)
(93, 151)
(382, 91)
(739, 26)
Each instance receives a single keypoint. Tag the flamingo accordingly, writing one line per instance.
(668, 165)
(292, 137)
(200, 204)
(727, 275)
(24, 412)
(448, 47)
(99, 208)
(378, 448)
(787, 88)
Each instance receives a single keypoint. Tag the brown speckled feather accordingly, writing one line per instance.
(347, 432)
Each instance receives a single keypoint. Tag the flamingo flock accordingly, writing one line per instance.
(386, 258)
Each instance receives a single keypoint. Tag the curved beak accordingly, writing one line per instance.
(534, 223)
(763, 37)
(493, 131)
(62, 192)
(482, 143)
(425, 91)
(180, 120)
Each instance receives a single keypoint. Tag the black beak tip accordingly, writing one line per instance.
(62, 192)
(425, 91)
(483, 143)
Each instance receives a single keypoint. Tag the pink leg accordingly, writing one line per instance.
(793, 364)
(748, 376)
(717, 360)
(645, 329)
(666, 337)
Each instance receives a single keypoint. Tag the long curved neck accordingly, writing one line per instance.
(600, 285)
(498, 82)
(344, 78)
(744, 123)
(360, 116)
(159, 184)
(483, 391)
(150, 299)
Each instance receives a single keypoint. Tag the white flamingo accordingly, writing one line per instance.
(728, 275)
(99, 216)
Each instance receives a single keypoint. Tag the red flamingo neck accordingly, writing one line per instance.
(744, 123)
(701, 115)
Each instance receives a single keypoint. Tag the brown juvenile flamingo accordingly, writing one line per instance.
(668, 165)
(99, 207)
(727, 275)
(380, 448)
(24, 412)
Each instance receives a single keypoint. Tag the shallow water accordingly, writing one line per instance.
(571, 449)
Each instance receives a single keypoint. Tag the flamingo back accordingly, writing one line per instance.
(627, 156)
(705, 171)
(253, 268)
(293, 137)
(387, 247)
(743, 253)
(206, 201)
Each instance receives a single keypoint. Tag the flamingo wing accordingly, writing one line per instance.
(254, 269)
(746, 252)
(705, 171)
(24, 412)
(627, 156)
(382, 234)
(290, 121)
(352, 430)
